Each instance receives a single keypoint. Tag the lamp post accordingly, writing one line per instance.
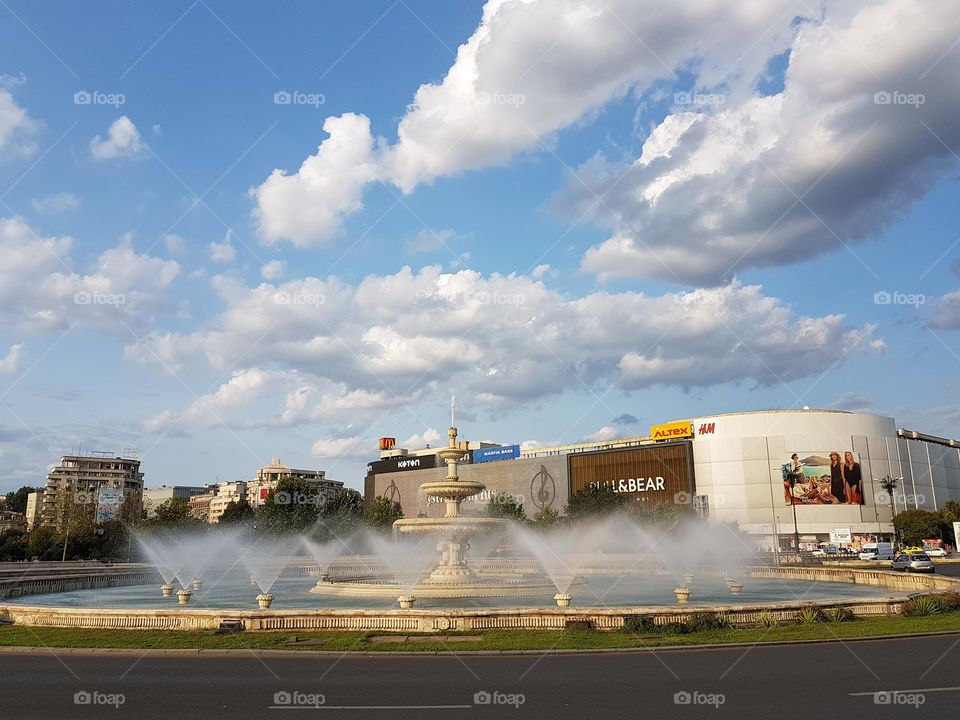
(889, 484)
(796, 532)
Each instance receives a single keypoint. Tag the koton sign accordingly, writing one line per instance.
(672, 431)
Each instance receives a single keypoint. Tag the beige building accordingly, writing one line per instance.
(155, 497)
(200, 505)
(226, 493)
(267, 478)
(34, 504)
(10, 520)
(87, 474)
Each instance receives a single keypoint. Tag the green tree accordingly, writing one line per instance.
(593, 501)
(171, 516)
(16, 500)
(546, 519)
(916, 525)
(291, 507)
(45, 543)
(666, 516)
(382, 513)
(504, 505)
(341, 515)
(238, 512)
(13, 546)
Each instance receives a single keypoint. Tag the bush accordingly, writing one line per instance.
(639, 625)
(925, 605)
(708, 621)
(952, 600)
(767, 619)
(810, 614)
(839, 614)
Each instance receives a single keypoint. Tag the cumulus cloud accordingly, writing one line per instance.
(947, 312)
(10, 363)
(339, 448)
(223, 252)
(428, 241)
(123, 141)
(607, 432)
(308, 207)
(60, 202)
(770, 180)
(175, 244)
(272, 270)
(17, 128)
(531, 68)
(39, 292)
(391, 339)
(430, 437)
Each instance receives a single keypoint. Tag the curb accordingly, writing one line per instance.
(220, 653)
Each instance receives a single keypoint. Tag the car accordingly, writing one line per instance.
(819, 552)
(913, 562)
(914, 549)
(935, 552)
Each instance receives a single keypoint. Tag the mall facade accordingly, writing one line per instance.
(856, 471)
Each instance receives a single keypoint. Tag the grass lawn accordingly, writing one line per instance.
(20, 636)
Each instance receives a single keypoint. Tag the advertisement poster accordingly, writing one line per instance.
(108, 503)
(829, 477)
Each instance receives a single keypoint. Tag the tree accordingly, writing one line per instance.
(915, 526)
(546, 519)
(45, 543)
(238, 512)
(666, 516)
(13, 546)
(382, 513)
(341, 515)
(16, 500)
(291, 507)
(593, 501)
(504, 505)
(172, 515)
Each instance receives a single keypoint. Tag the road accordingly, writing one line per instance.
(800, 681)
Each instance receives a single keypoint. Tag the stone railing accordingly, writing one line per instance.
(41, 578)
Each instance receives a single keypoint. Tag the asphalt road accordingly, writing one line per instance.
(801, 681)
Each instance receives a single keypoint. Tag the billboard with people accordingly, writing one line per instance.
(831, 477)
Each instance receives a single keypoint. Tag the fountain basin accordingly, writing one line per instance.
(183, 596)
(563, 599)
(167, 590)
(406, 601)
(264, 600)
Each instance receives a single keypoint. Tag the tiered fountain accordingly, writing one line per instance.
(452, 576)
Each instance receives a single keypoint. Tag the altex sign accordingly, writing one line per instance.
(672, 431)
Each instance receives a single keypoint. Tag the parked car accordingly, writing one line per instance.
(914, 549)
(935, 552)
(877, 551)
(913, 562)
(819, 552)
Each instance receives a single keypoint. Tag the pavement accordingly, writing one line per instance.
(916, 678)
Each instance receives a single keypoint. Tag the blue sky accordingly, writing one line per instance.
(607, 209)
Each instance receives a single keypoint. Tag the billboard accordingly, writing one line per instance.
(672, 431)
(402, 462)
(661, 473)
(827, 477)
(506, 452)
(109, 501)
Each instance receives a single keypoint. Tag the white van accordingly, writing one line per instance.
(877, 551)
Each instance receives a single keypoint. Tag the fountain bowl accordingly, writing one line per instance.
(264, 600)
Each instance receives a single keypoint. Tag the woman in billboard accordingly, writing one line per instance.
(837, 488)
(853, 479)
(792, 472)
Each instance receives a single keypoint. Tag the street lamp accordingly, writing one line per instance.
(889, 485)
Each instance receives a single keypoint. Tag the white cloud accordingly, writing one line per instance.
(216, 409)
(223, 252)
(272, 270)
(531, 68)
(122, 141)
(607, 432)
(39, 292)
(10, 363)
(17, 128)
(174, 244)
(372, 345)
(308, 207)
(772, 180)
(340, 448)
(60, 202)
(947, 312)
(430, 437)
(428, 241)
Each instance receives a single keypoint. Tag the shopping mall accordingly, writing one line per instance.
(729, 467)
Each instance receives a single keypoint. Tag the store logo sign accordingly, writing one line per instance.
(669, 431)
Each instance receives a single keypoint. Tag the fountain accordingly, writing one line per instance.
(183, 596)
(264, 600)
(451, 575)
(166, 589)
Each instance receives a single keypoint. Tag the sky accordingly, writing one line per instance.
(233, 231)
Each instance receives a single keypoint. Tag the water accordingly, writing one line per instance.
(234, 592)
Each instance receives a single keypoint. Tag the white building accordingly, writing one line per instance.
(268, 476)
(226, 493)
(155, 497)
